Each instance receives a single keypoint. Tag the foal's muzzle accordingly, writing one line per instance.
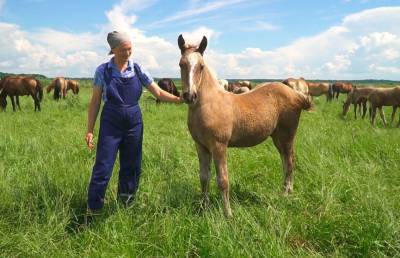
(189, 98)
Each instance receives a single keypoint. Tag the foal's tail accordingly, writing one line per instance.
(57, 91)
(305, 102)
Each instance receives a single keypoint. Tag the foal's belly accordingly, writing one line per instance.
(248, 138)
(247, 141)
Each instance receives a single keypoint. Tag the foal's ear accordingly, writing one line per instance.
(202, 46)
(181, 42)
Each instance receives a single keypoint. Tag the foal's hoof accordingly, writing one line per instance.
(228, 214)
(205, 203)
(287, 192)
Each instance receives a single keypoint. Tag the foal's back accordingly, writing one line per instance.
(257, 114)
(385, 96)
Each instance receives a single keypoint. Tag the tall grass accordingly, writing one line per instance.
(346, 200)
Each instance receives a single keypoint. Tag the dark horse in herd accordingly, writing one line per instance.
(341, 87)
(15, 86)
(218, 119)
(169, 86)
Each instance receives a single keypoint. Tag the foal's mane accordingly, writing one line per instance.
(208, 76)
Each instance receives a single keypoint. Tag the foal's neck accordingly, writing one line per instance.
(208, 81)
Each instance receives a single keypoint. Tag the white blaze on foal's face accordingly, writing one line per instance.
(193, 59)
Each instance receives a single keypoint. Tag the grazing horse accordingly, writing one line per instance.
(299, 85)
(357, 97)
(73, 85)
(20, 86)
(380, 97)
(218, 119)
(169, 86)
(59, 84)
(223, 83)
(238, 88)
(316, 89)
(2, 82)
(245, 84)
(341, 87)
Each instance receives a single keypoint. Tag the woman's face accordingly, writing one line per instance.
(123, 51)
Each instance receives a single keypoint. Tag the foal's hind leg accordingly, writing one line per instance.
(382, 116)
(283, 139)
(205, 172)
(219, 156)
(36, 101)
(364, 105)
(373, 114)
(17, 100)
(398, 123)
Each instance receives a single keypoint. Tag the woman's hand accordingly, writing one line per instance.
(89, 140)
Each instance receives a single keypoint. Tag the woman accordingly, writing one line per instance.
(119, 83)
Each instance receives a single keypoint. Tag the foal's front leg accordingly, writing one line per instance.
(219, 156)
(355, 110)
(393, 114)
(204, 156)
(12, 102)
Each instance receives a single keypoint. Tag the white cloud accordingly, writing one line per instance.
(345, 51)
(40, 52)
(363, 45)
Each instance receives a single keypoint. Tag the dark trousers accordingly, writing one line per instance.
(121, 128)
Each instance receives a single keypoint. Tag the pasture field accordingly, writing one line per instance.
(346, 201)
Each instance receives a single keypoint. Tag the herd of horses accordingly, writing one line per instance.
(15, 86)
(224, 114)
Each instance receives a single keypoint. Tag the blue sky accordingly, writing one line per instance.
(342, 39)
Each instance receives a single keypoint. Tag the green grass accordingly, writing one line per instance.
(346, 200)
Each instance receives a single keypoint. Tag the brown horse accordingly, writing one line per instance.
(341, 87)
(169, 86)
(299, 85)
(357, 97)
(2, 82)
(238, 87)
(59, 84)
(245, 84)
(380, 97)
(20, 86)
(218, 119)
(73, 85)
(316, 89)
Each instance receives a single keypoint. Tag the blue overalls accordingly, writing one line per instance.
(121, 128)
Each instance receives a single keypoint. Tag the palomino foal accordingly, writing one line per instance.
(218, 119)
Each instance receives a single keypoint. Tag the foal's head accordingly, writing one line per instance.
(346, 104)
(192, 65)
